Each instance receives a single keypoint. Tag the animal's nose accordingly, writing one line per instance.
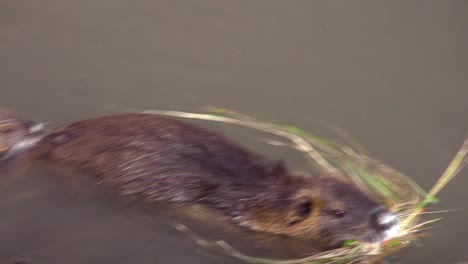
(383, 220)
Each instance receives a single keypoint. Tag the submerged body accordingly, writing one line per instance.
(162, 159)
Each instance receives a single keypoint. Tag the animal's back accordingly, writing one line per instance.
(159, 158)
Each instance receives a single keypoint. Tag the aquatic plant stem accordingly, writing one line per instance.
(455, 166)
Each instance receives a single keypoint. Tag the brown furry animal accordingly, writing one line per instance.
(162, 159)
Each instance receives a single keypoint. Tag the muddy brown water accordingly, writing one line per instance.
(391, 73)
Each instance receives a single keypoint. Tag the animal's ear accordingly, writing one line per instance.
(302, 208)
(278, 168)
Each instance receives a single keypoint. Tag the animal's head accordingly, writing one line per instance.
(332, 209)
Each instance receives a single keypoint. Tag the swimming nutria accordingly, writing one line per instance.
(163, 159)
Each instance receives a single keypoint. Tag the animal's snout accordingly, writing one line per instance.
(385, 222)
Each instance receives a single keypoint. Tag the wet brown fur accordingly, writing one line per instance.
(162, 159)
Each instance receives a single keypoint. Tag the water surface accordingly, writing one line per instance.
(392, 73)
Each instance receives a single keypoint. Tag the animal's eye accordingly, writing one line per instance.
(302, 211)
(305, 209)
